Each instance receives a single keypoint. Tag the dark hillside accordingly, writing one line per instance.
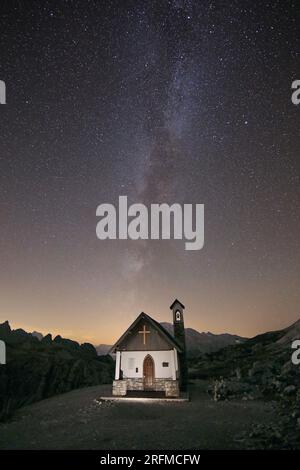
(38, 369)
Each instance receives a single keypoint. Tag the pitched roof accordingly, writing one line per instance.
(168, 337)
(176, 301)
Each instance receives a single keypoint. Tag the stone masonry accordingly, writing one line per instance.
(119, 388)
(169, 386)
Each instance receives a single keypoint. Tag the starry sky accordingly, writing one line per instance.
(163, 101)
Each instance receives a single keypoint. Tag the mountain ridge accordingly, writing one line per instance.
(197, 342)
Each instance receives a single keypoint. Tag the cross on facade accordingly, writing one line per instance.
(144, 332)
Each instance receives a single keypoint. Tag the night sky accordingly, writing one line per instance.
(162, 101)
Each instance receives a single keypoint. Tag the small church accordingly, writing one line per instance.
(150, 359)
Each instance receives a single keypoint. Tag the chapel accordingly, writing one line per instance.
(151, 359)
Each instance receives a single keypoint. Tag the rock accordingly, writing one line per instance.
(68, 343)
(38, 335)
(257, 367)
(289, 390)
(88, 349)
(47, 339)
(286, 368)
(40, 369)
(5, 331)
(231, 388)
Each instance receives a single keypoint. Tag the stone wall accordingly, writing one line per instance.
(135, 384)
(169, 386)
(172, 388)
(119, 388)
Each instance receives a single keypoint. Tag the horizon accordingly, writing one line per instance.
(95, 343)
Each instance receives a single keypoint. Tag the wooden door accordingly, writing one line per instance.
(148, 372)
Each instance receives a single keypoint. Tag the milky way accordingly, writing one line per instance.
(163, 101)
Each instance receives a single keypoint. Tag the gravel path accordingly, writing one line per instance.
(76, 420)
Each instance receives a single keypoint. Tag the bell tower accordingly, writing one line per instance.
(179, 335)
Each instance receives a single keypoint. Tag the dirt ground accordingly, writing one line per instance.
(76, 421)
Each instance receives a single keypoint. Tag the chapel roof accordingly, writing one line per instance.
(176, 301)
(143, 316)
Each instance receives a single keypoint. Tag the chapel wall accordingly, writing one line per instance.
(132, 363)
